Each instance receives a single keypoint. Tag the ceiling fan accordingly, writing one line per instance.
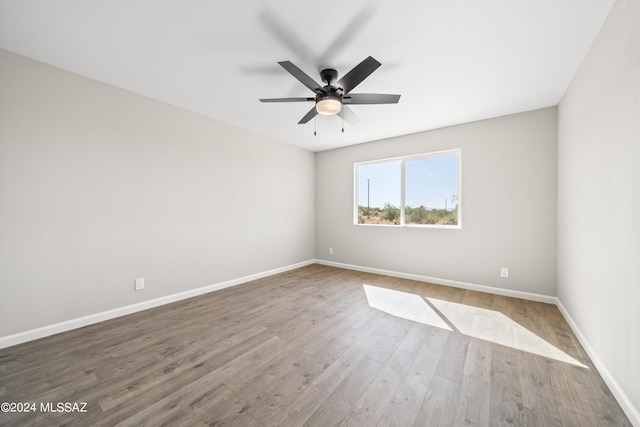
(332, 98)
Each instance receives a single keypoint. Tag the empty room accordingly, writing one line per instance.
(320, 213)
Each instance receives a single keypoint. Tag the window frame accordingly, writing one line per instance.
(403, 159)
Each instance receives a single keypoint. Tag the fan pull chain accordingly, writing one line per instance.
(315, 120)
(342, 117)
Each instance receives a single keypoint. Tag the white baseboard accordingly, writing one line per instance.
(625, 403)
(45, 331)
(446, 282)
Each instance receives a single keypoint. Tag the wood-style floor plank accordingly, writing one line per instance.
(368, 409)
(506, 408)
(439, 403)
(473, 405)
(305, 348)
(403, 408)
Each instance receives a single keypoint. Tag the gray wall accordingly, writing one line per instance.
(508, 207)
(100, 186)
(599, 200)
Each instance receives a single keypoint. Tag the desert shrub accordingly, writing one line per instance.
(391, 213)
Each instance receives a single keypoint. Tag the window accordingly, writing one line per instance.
(421, 190)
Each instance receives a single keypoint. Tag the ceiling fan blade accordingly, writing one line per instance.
(349, 116)
(302, 76)
(286, 99)
(284, 32)
(357, 74)
(370, 98)
(310, 115)
(346, 37)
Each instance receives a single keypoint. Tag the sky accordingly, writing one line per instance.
(428, 182)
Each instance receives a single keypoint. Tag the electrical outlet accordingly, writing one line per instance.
(330, 251)
(139, 284)
(504, 272)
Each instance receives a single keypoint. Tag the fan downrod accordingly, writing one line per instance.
(328, 75)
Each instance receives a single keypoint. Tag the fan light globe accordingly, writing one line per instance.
(328, 106)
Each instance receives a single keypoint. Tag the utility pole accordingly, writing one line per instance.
(368, 193)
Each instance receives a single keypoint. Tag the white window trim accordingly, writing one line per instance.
(403, 159)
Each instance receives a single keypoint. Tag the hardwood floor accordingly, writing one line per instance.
(306, 348)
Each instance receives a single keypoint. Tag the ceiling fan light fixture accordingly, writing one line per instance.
(328, 105)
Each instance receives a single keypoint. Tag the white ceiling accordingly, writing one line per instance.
(452, 61)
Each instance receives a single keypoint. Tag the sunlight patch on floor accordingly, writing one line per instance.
(489, 325)
(494, 326)
(401, 304)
